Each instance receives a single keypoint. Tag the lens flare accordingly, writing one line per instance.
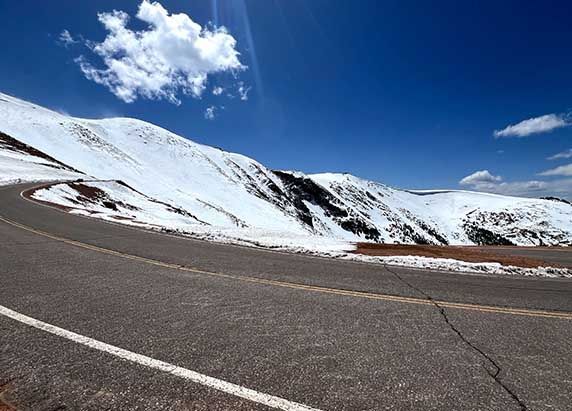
(234, 14)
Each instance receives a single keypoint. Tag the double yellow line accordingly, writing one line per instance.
(303, 287)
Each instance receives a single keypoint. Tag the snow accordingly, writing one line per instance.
(18, 167)
(230, 190)
(231, 198)
(139, 210)
(152, 160)
(449, 264)
(446, 212)
(17, 171)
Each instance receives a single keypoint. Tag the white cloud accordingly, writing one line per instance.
(542, 124)
(487, 182)
(558, 171)
(174, 54)
(243, 91)
(217, 91)
(479, 178)
(66, 39)
(561, 155)
(210, 113)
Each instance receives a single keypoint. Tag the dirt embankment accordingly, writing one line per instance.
(472, 254)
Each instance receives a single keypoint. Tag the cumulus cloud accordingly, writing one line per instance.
(210, 113)
(536, 125)
(66, 39)
(485, 181)
(558, 171)
(562, 155)
(217, 91)
(479, 178)
(174, 54)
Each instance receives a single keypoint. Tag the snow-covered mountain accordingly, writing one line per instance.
(230, 191)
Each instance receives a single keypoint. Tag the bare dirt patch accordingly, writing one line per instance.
(89, 192)
(472, 254)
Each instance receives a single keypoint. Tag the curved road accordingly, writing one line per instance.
(97, 316)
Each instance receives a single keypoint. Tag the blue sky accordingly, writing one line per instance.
(406, 93)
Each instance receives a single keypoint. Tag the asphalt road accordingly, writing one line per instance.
(328, 334)
(557, 255)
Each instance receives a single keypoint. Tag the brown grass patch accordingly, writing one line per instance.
(472, 254)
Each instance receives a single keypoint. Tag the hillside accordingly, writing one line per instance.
(230, 192)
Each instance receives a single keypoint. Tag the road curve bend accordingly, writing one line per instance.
(96, 315)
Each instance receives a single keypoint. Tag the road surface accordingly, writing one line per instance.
(101, 316)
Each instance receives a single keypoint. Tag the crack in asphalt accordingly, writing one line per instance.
(497, 369)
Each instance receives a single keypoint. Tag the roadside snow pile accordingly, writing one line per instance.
(115, 201)
(448, 264)
(20, 163)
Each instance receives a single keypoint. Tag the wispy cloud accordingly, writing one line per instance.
(558, 171)
(66, 39)
(173, 55)
(562, 155)
(243, 91)
(210, 113)
(536, 125)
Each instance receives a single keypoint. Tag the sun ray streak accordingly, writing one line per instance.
(241, 11)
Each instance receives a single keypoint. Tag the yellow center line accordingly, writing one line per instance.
(304, 287)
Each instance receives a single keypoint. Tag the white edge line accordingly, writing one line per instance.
(211, 382)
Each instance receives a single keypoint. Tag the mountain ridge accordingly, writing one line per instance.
(227, 189)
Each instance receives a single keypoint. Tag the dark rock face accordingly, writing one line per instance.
(481, 236)
(300, 189)
(560, 200)
(360, 227)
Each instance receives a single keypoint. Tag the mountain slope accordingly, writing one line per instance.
(227, 190)
(451, 217)
(221, 188)
(20, 162)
